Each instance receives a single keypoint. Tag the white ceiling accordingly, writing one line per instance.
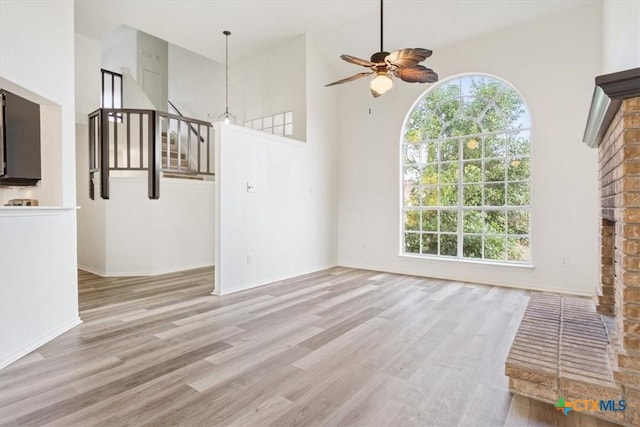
(339, 26)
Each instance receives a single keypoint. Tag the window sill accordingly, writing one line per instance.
(468, 261)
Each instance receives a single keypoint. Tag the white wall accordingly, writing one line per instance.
(271, 82)
(322, 144)
(130, 235)
(38, 281)
(38, 292)
(282, 229)
(132, 94)
(153, 56)
(120, 49)
(196, 84)
(87, 77)
(91, 215)
(552, 62)
(620, 35)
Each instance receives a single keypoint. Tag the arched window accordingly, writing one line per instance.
(466, 172)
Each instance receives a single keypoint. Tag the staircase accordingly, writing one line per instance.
(172, 152)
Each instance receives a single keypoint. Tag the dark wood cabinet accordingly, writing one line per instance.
(20, 141)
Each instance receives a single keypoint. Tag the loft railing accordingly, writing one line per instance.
(111, 89)
(147, 140)
(193, 129)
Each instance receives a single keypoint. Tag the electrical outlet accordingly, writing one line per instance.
(249, 258)
(564, 261)
(251, 188)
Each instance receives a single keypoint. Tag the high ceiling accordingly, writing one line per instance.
(339, 26)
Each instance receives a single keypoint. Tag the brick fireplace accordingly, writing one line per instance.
(573, 348)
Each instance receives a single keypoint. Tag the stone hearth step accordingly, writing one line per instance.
(562, 350)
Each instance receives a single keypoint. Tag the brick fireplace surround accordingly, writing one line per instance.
(573, 348)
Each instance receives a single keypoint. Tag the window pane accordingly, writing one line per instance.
(411, 155)
(412, 196)
(411, 175)
(495, 222)
(449, 150)
(432, 128)
(472, 148)
(518, 222)
(447, 111)
(472, 195)
(430, 175)
(472, 172)
(430, 243)
(472, 246)
(494, 170)
(412, 243)
(449, 221)
(448, 244)
(493, 121)
(449, 173)
(412, 220)
(519, 143)
(494, 247)
(518, 249)
(494, 195)
(518, 193)
(430, 196)
(448, 195)
(430, 220)
(495, 146)
(461, 126)
(518, 169)
(472, 221)
(429, 152)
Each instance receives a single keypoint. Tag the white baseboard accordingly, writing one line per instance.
(552, 289)
(143, 272)
(28, 348)
(252, 285)
(92, 270)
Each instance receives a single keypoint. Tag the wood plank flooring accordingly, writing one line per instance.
(341, 347)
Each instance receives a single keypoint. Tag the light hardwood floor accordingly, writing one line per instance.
(334, 348)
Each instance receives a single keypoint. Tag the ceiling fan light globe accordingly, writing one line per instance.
(381, 84)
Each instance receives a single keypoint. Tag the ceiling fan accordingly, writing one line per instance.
(403, 63)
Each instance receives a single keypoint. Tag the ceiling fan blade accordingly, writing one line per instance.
(357, 61)
(417, 74)
(349, 79)
(408, 57)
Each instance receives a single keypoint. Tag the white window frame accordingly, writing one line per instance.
(461, 208)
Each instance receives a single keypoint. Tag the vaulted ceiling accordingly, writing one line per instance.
(339, 26)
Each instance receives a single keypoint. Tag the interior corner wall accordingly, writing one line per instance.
(153, 69)
(119, 49)
(322, 141)
(271, 82)
(621, 35)
(196, 84)
(88, 84)
(38, 278)
(551, 61)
